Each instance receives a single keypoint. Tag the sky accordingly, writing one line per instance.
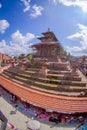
(22, 21)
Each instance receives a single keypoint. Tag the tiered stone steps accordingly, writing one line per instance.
(50, 78)
(62, 72)
(59, 75)
(54, 80)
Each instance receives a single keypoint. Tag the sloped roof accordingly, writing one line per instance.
(58, 103)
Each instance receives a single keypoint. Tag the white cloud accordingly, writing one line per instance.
(2, 43)
(26, 4)
(36, 11)
(80, 3)
(19, 44)
(18, 38)
(81, 37)
(3, 25)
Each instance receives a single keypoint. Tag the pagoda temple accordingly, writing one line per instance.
(49, 48)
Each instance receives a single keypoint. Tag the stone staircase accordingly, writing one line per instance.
(55, 80)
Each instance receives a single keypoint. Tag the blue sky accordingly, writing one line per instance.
(21, 21)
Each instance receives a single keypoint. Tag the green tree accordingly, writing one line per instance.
(30, 56)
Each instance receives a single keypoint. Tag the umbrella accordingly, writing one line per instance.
(33, 124)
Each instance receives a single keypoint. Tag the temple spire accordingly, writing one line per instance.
(48, 29)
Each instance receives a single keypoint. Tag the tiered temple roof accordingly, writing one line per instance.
(48, 36)
(49, 47)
